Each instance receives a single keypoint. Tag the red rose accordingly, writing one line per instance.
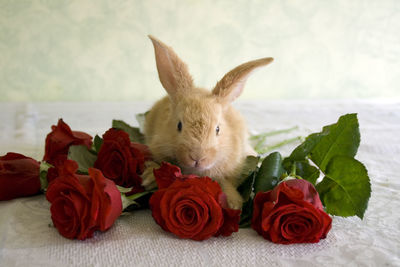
(190, 206)
(290, 213)
(122, 160)
(61, 138)
(57, 163)
(231, 218)
(19, 176)
(82, 204)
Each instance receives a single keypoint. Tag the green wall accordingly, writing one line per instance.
(99, 51)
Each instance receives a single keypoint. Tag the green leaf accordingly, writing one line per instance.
(304, 149)
(346, 189)
(97, 142)
(126, 202)
(139, 195)
(249, 166)
(307, 171)
(298, 159)
(44, 167)
(339, 139)
(83, 156)
(247, 214)
(124, 190)
(269, 173)
(134, 133)
(247, 177)
(246, 187)
(131, 202)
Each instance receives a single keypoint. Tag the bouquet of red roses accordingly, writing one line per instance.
(91, 181)
(88, 182)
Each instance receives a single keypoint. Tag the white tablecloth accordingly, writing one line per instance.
(27, 237)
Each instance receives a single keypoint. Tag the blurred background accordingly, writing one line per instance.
(52, 50)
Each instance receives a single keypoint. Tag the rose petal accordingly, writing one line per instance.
(166, 174)
(290, 213)
(82, 204)
(19, 176)
(310, 194)
(110, 203)
(187, 207)
(61, 138)
(119, 160)
(155, 206)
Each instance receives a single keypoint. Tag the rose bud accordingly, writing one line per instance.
(82, 204)
(19, 176)
(190, 206)
(61, 138)
(290, 213)
(122, 160)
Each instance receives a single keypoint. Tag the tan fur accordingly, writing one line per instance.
(198, 149)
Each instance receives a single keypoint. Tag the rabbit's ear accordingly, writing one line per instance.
(231, 85)
(172, 71)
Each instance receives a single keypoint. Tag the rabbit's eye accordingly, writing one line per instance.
(217, 130)
(179, 126)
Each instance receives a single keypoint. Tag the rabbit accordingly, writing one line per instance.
(198, 129)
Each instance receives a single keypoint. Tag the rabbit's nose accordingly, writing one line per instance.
(196, 159)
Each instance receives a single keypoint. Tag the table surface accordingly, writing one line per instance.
(27, 236)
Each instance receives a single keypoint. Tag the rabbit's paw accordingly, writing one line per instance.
(148, 179)
(234, 199)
